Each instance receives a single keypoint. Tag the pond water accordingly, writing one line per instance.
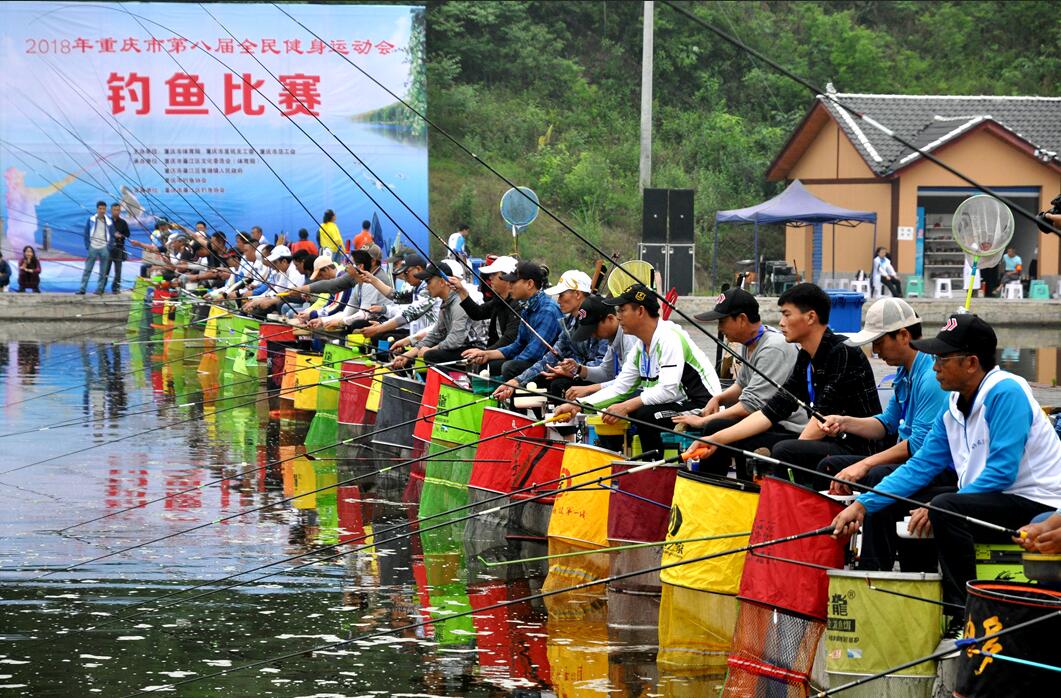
(100, 429)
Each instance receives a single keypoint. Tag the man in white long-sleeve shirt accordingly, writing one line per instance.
(666, 374)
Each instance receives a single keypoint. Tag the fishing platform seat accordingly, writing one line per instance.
(1000, 561)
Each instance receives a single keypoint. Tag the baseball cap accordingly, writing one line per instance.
(501, 265)
(452, 267)
(589, 315)
(374, 251)
(430, 271)
(526, 270)
(571, 280)
(731, 303)
(411, 259)
(962, 332)
(279, 252)
(319, 264)
(639, 294)
(884, 316)
(401, 254)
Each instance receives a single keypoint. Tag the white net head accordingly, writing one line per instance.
(983, 226)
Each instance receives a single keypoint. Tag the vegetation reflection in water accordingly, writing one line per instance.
(185, 432)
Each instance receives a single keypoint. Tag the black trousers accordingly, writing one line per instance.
(719, 462)
(893, 285)
(808, 453)
(507, 369)
(956, 538)
(651, 438)
(881, 545)
(442, 356)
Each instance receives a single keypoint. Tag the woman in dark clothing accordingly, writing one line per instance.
(29, 271)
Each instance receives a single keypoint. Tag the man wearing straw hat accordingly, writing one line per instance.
(997, 439)
(918, 400)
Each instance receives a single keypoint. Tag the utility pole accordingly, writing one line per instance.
(646, 96)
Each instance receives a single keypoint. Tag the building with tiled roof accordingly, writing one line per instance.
(1007, 143)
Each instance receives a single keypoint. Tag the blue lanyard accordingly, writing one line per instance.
(810, 385)
(753, 340)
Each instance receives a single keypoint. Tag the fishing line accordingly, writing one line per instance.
(375, 537)
(612, 549)
(854, 112)
(271, 504)
(501, 604)
(725, 346)
(958, 645)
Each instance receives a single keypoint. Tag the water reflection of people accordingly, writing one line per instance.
(29, 361)
(22, 231)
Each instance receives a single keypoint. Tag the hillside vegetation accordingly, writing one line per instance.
(549, 93)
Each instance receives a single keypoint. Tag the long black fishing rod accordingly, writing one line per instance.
(865, 118)
(958, 645)
(501, 604)
(309, 454)
(415, 526)
(279, 501)
(589, 243)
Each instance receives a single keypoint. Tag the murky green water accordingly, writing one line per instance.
(136, 430)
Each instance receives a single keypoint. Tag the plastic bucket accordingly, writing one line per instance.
(864, 636)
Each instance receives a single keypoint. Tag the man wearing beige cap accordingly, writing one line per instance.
(918, 400)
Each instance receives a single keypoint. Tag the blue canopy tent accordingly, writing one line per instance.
(795, 206)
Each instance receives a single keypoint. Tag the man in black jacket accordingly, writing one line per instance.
(499, 308)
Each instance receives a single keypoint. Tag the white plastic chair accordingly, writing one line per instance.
(943, 289)
(861, 286)
(1013, 290)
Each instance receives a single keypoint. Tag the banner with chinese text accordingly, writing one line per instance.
(192, 112)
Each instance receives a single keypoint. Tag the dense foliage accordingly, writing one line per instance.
(549, 93)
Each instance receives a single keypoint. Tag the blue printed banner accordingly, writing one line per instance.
(209, 112)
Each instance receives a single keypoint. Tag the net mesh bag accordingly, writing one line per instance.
(773, 652)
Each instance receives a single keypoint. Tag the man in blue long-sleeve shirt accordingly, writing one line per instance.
(995, 437)
(539, 326)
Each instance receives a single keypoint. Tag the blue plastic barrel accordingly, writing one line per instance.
(846, 313)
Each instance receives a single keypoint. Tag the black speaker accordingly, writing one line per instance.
(654, 216)
(680, 214)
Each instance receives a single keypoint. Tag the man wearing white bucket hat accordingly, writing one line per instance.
(573, 288)
(918, 400)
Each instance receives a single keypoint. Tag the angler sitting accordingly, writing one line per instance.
(918, 400)
(498, 306)
(667, 372)
(408, 318)
(280, 284)
(828, 376)
(453, 332)
(557, 369)
(365, 302)
(539, 325)
(766, 361)
(997, 439)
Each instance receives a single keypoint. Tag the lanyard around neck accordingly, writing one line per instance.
(810, 384)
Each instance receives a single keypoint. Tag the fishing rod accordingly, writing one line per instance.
(968, 642)
(809, 408)
(501, 604)
(865, 118)
(309, 454)
(414, 525)
(612, 549)
(280, 501)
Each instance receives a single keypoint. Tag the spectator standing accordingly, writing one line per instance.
(99, 232)
(458, 243)
(29, 271)
(116, 253)
(364, 238)
(329, 237)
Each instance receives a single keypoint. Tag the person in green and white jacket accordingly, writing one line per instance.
(666, 374)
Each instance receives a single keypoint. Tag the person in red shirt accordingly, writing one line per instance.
(304, 243)
(364, 238)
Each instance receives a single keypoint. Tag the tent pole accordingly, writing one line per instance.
(834, 252)
(874, 241)
(758, 283)
(714, 259)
